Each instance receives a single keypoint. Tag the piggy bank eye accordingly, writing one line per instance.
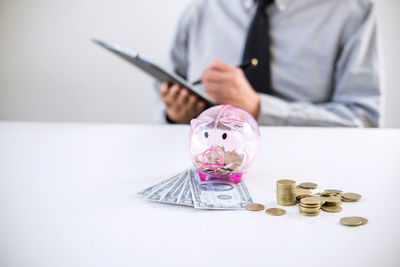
(206, 134)
(224, 136)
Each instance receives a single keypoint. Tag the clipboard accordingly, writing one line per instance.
(152, 69)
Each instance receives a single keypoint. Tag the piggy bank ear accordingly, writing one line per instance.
(233, 123)
(204, 120)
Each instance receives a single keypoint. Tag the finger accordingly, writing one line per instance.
(174, 91)
(215, 76)
(215, 93)
(170, 97)
(182, 98)
(164, 89)
(199, 107)
(192, 101)
(214, 87)
(188, 107)
(219, 65)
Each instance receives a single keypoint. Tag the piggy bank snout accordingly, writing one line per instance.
(213, 157)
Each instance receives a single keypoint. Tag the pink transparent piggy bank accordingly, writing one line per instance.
(223, 142)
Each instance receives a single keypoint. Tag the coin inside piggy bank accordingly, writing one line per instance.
(223, 142)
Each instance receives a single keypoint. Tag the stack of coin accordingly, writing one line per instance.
(331, 204)
(310, 206)
(285, 192)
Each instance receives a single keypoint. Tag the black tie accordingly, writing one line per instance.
(257, 46)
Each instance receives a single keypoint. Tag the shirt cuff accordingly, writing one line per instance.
(273, 111)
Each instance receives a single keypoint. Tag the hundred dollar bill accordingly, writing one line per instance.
(218, 194)
(175, 190)
(155, 187)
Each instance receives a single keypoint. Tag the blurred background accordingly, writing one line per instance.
(51, 71)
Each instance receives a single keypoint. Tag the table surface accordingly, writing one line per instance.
(68, 198)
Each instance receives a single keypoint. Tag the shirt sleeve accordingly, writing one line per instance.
(357, 92)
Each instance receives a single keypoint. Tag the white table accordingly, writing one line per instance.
(68, 198)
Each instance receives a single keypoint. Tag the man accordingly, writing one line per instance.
(319, 61)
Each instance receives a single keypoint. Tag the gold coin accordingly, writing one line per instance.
(254, 206)
(325, 194)
(300, 193)
(310, 201)
(275, 211)
(323, 200)
(286, 203)
(333, 191)
(332, 201)
(308, 214)
(308, 185)
(352, 221)
(310, 210)
(351, 197)
(286, 182)
(331, 208)
(365, 220)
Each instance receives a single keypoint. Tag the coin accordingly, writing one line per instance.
(276, 211)
(352, 221)
(286, 182)
(331, 208)
(306, 210)
(365, 220)
(254, 206)
(310, 201)
(351, 197)
(301, 193)
(325, 194)
(308, 214)
(308, 185)
(334, 191)
(323, 200)
(332, 201)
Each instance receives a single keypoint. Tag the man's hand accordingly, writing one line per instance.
(226, 84)
(181, 105)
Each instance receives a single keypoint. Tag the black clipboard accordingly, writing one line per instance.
(152, 69)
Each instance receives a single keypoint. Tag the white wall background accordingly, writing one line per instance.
(50, 71)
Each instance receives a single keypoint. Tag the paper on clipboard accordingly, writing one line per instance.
(152, 69)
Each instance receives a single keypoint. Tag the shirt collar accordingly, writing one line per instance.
(281, 4)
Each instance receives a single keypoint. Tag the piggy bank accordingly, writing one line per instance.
(223, 142)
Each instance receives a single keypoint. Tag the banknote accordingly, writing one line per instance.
(161, 191)
(172, 196)
(155, 187)
(217, 194)
(185, 198)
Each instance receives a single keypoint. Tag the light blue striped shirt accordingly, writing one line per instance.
(324, 65)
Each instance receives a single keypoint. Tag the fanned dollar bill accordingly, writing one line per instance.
(187, 189)
(217, 194)
(155, 187)
(185, 197)
(158, 194)
(178, 194)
